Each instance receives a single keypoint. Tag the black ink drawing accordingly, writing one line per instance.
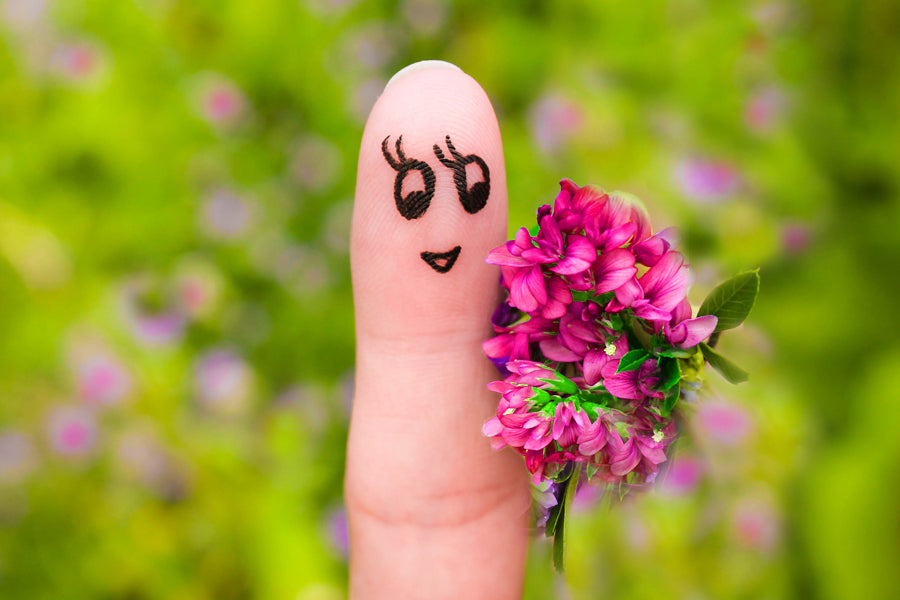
(416, 202)
(412, 206)
(441, 261)
(472, 198)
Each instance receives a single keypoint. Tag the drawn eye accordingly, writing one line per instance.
(416, 202)
(473, 197)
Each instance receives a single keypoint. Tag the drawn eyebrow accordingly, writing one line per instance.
(416, 202)
(472, 198)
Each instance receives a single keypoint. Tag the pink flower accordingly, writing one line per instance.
(72, 431)
(603, 362)
(683, 475)
(103, 380)
(613, 269)
(566, 427)
(685, 332)
(706, 180)
(724, 422)
(634, 385)
(657, 292)
(572, 254)
(554, 119)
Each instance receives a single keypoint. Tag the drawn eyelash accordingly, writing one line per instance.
(472, 198)
(416, 202)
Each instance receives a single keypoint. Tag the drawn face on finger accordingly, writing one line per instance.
(473, 187)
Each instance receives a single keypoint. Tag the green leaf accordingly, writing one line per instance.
(671, 373)
(732, 300)
(674, 352)
(670, 402)
(534, 230)
(559, 536)
(729, 370)
(562, 384)
(633, 360)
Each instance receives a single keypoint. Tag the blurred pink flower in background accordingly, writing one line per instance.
(336, 231)
(18, 458)
(425, 17)
(370, 47)
(765, 110)
(152, 316)
(301, 269)
(362, 97)
(724, 423)
(102, 379)
(338, 531)
(198, 286)
(226, 215)
(315, 163)
(24, 13)
(223, 381)
(756, 525)
(218, 100)
(796, 238)
(72, 431)
(310, 400)
(78, 61)
(706, 180)
(554, 118)
(142, 457)
(330, 7)
(683, 475)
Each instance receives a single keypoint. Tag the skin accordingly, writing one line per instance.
(433, 511)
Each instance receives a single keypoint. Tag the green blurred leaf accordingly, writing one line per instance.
(728, 369)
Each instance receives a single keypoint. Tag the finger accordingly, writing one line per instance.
(434, 511)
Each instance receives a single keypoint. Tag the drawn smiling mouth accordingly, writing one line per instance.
(441, 261)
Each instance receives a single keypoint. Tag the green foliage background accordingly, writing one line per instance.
(129, 130)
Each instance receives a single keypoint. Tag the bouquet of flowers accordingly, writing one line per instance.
(597, 345)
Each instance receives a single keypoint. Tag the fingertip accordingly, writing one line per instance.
(430, 204)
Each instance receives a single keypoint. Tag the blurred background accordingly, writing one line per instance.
(176, 362)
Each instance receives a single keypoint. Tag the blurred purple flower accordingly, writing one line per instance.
(706, 180)
(18, 458)
(310, 400)
(198, 286)
(338, 531)
(725, 423)
(226, 215)
(24, 14)
(218, 100)
(765, 110)
(372, 46)
(153, 321)
(145, 459)
(223, 381)
(336, 232)
(302, 269)
(72, 431)
(330, 7)
(757, 525)
(426, 17)
(102, 379)
(544, 496)
(796, 238)
(362, 97)
(348, 391)
(554, 119)
(682, 476)
(78, 61)
(315, 163)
